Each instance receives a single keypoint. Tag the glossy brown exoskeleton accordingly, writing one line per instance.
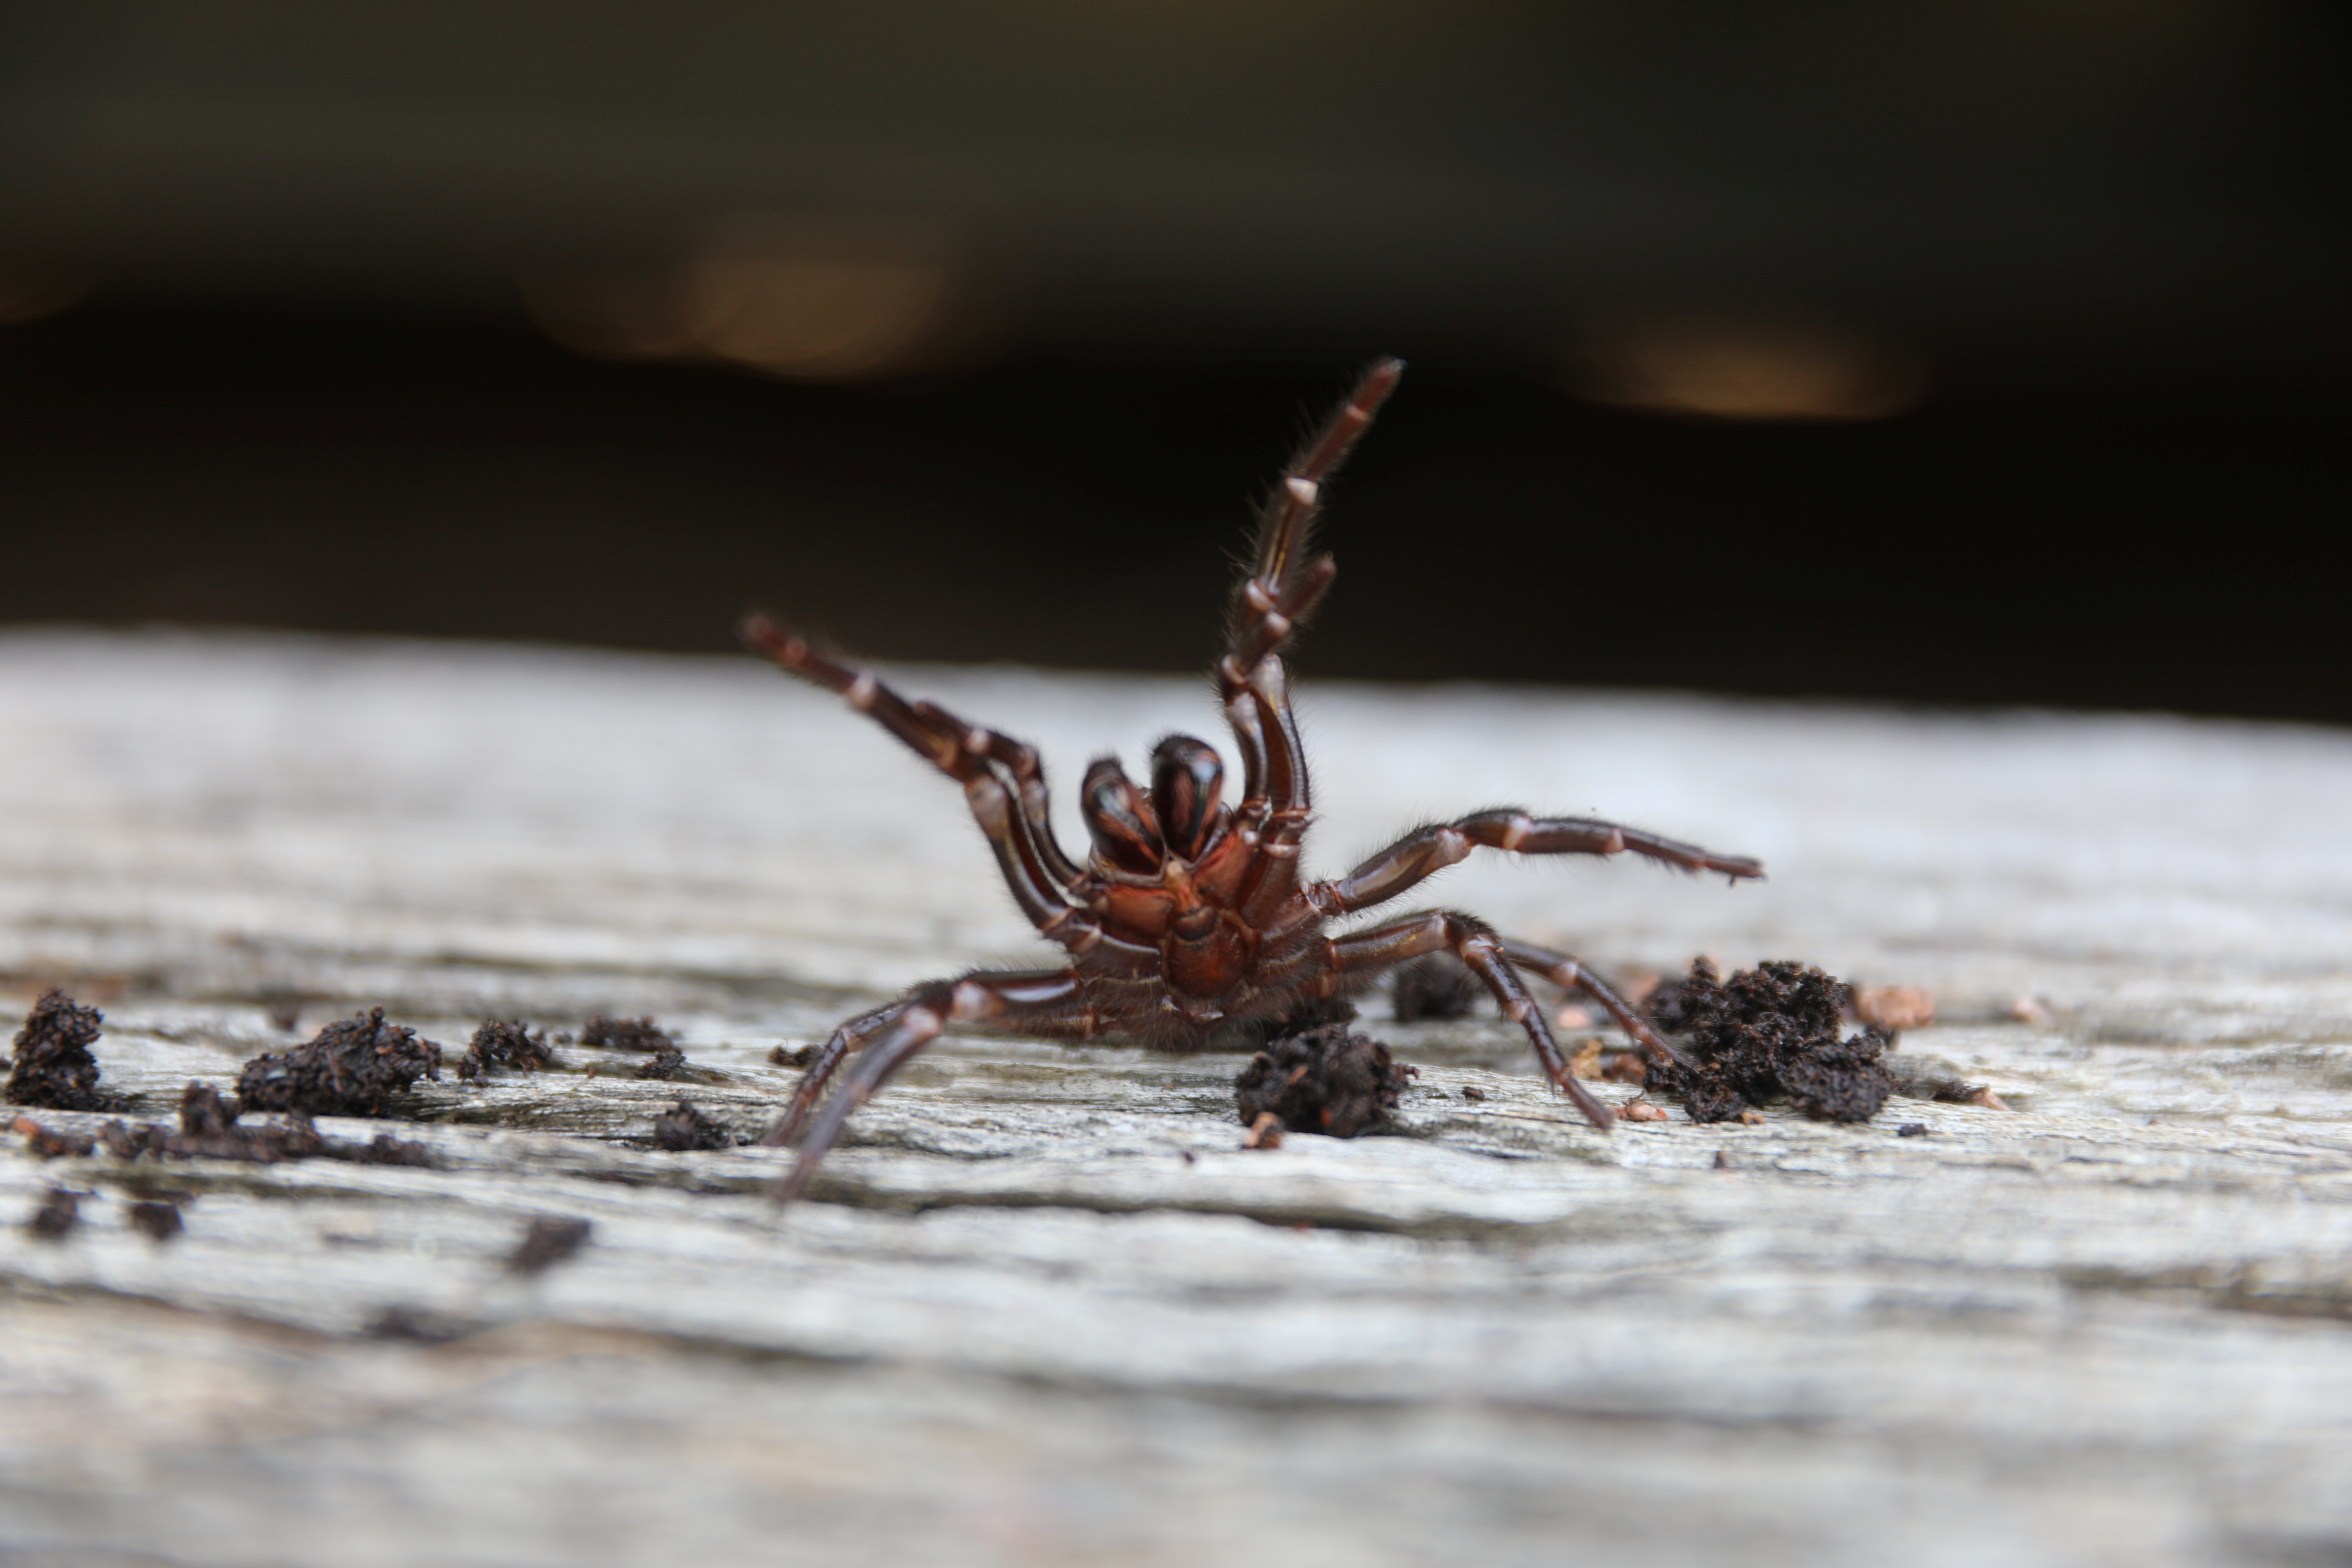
(1189, 914)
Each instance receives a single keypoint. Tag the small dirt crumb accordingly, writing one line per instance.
(1189, 1158)
(158, 1222)
(1640, 1111)
(625, 1035)
(1768, 1032)
(503, 1043)
(1988, 1098)
(2029, 1010)
(52, 1068)
(1474, 1093)
(45, 1144)
(1912, 1130)
(669, 1063)
(1638, 986)
(683, 1129)
(1434, 986)
(796, 1057)
(384, 1148)
(1722, 1160)
(1574, 1018)
(56, 1216)
(1627, 1066)
(1265, 1133)
(548, 1242)
(1893, 1007)
(1327, 1081)
(349, 1068)
(1751, 1119)
(1586, 1062)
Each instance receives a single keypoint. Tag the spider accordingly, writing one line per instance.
(1189, 915)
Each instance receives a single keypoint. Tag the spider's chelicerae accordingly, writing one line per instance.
(1189, 914)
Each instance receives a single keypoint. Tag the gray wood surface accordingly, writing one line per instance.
(1045, 1309)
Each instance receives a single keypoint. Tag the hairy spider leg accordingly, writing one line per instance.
(1049, 1002)
(1476, 944)
(1425, 851)
(1281, 590)
(1035, 868)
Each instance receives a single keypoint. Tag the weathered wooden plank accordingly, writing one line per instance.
(1044, 1307)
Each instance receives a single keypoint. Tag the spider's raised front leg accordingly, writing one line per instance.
(1281, 588)
(1036, 869)
(1468, 939)
(1051, 1001)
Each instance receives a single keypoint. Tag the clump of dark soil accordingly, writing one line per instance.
(52, 1066)
(683, 1129)
(1435, 985)
(158, 1222)
(638, 1035)
(501, 1046)
(45, 1144)
(1324, 1079)
(796, 1057)
(350, 1069)
(547, 1243)
(209, 1130)
(56, 1216)
(669, 1063)
(625, 1035)
(1768, 1033)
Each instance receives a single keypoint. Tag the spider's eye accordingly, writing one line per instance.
(1120, 819)
(1186, 779)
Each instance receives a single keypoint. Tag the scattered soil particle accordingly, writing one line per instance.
(158, 1222)
(798, 1056)
(683, 1129)
(52, 1066)
(45, 1144)
(1265, 1133)
(209, 1130)
(384, 1148)
(1474, 1093)
(669, 1063)
(1640, 1111)
(1325, 1079)
(1950, 1092)
(548, 1242)
(1912, 1130)
(56, 1216)
(1722, 1160)
(349, 1068)
(625, 1035)
(502, 1045)
(1435, 985)
(1626, 1067)
(1893, 1007)
(1585, 1062)
(2029, 1010)
(1769, 1032)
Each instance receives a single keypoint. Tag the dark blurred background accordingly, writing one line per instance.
(1987, 352)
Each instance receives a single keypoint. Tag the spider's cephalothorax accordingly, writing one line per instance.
(1189, 914)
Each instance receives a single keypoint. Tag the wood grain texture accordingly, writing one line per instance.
(1043, 1307)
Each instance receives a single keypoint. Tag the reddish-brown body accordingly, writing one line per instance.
(1189, 914)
